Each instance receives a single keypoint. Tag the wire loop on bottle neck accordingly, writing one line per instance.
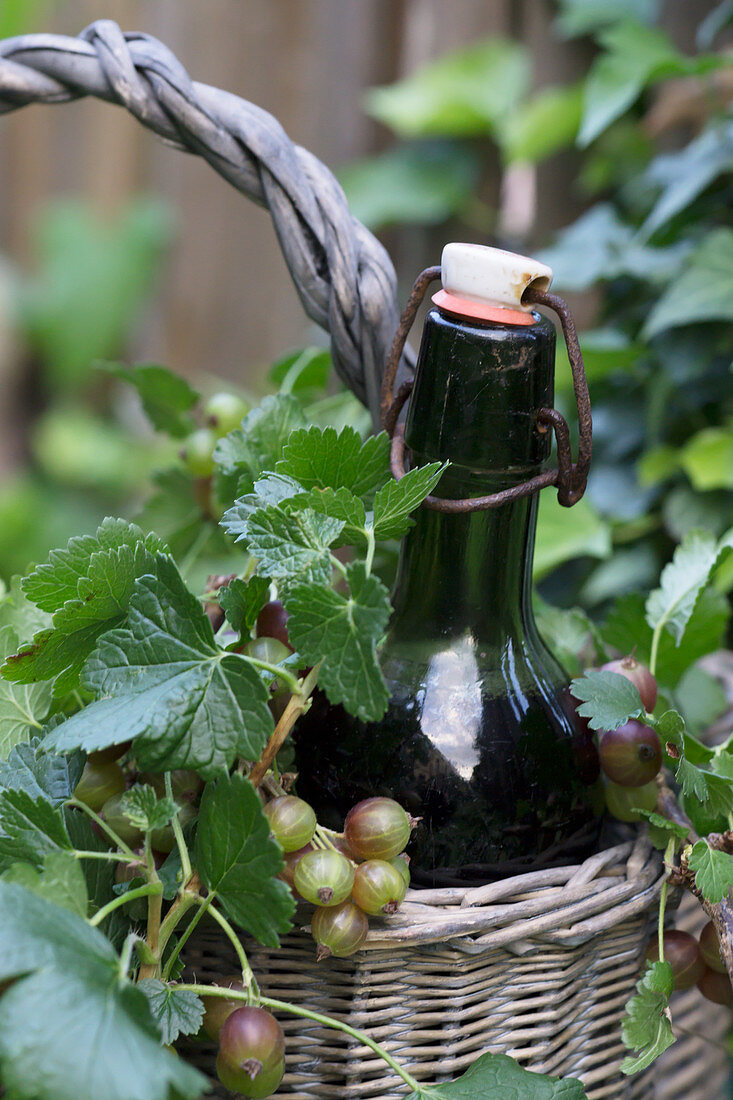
(569, 477)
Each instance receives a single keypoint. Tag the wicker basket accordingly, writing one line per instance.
(539, 967)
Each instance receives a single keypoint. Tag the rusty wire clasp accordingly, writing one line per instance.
(569, 477)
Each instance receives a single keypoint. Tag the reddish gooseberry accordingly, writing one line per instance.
(219, 1009)
(640, 677)
(339, 930)
(631, 755)
(251, 1052)
(99, 781)
(377, 828)
(710, 949)
(716, 987)
(378, 887)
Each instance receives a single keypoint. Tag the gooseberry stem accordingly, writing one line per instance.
(296, 706)
(317, 1017)
(112, 835)
(668, 857)
(278, 672)
(203, 904)
(252, 990)
(186, 870)
(130, 895)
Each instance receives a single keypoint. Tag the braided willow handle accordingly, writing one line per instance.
(343, 275)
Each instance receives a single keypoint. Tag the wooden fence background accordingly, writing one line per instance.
(306, 61)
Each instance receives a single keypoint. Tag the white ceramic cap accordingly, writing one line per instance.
(492, 276)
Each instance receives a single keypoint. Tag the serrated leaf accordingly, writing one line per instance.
(166, 397)
(18, 612)
(238, 859)
(30, 828)
(175, 1011)
(608, 699)
(682, 580)
(292, 546)
(397, 499)
(270, 489)
(322, 458)
(104, 581)
(661, 828)
(646, 1028)
(22, 706)
(59, 880)
(69, 1028)
(241, 601)
(498, 1075)
(143, 809)
(340, 504)
(33, 768)
(258, 444)
(713, 871)
(167, 685)
(342, 632)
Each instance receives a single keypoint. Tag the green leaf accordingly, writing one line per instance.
(19, 613)
(466, 93)
(70, 1029)
(544, 124)
(241, 601)
(702, 292)
(30, 828)
(561, 537)
(684, 175)
(626, 629)
(21, 16)
(645, 1028)
(88, 586)
(683, 579)
(143, 809)
(340, 504)
(99, 874)
(59, 880)
(305, 371)
(22, 706)
(292, 546)
(175, 1011)
(397, 499)
(258, 444)
(661, 829)
(343, 632)
(498, 1075)
(40, 773)
(238, 859)
(700, 698)
(608, 699)
(571, 635)
(322, 458)
(585, 16)
(634, 55)
(713, 871)
(422, 183)
(707, 458)
(166, 397)
(167, 684)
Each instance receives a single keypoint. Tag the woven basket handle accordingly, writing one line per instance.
(343, 275)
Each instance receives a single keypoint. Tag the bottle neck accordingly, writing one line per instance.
(467, 574)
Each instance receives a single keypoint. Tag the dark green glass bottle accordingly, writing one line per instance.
(479, 739)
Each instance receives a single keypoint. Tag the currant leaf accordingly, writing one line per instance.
(500, 1076)
(322, 458)
(143, 809)
(40, 773)
(292, 546)
(175, 1011)
(645, 1028)
(683, 579)
(166, 397)
(30, 828)
(241, 601)
(258, 444)
(397, 499)
(23, 707)
(713, 871)
(238, 859)
(60, 880)
(608, 699)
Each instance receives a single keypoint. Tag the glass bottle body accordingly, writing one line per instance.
(479, 739)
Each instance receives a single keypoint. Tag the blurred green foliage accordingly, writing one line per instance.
(654, 249)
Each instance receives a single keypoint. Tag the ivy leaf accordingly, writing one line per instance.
(343, 632)
(682, 580)
(143, 809)
(40, 773)
(397, 499)
(608, 699)
(59, 880)
(646, 1028)
(166, 397)
(30, 828)
(101, 572)
(322, 458)
(702, 292)
(22, 706)
(292, 546)
(175, 1011)
(241, 601)
(498, 1075)
(69, 1028)
(167, 684)
(713, 871)
(258, 444)
(238, 859)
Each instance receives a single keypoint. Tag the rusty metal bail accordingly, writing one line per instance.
(569, 477)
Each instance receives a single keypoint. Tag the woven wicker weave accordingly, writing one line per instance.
(539, 967)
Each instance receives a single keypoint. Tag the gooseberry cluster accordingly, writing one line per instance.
(348, 877)
(631, 756)
(695, 962)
